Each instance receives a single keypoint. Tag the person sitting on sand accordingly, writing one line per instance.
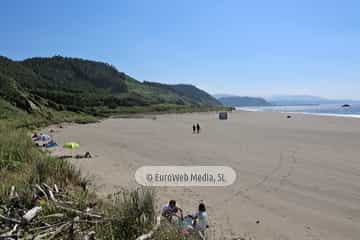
(198, 128)
(86, 155)
(200, 218)
(169, 210)
(50, 144)
(36, 137)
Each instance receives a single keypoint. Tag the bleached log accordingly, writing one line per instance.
(59, 230)
(56, 188)
(46, 227)
(43, 235)
(50, 192)
(29, 215)
(12, 237)
(7, 219)
(90, 235)
(51, 234)
(10, 233)
(46, 186)
(41, 190)
(12, 192)
(151, 233)
(52, 197)
(78, 212)
(55, 215)
(146, 236)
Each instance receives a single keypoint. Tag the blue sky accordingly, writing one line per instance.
(256, 48)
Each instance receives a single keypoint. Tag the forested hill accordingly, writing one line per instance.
(80, 85)
(190, 93)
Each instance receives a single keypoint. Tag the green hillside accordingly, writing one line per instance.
(96, 88)
(189, 93)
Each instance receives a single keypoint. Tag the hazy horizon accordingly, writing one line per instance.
(267, 97)
(257, 48)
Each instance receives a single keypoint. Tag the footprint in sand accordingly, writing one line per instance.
(246, 236)
(310, 234)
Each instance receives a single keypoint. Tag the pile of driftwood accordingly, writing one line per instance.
(52, 214)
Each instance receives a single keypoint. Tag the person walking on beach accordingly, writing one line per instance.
(198, 128)
(194, 128)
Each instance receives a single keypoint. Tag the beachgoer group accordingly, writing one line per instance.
(49, 141)
(199, 220)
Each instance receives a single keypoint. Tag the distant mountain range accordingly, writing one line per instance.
(238, 101)
(278, 100)
(306, 100)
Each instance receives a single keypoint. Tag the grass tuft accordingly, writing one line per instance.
(132, 214)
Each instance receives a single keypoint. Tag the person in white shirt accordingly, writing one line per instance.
(201, 219)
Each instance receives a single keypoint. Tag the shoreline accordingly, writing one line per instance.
(305, 113)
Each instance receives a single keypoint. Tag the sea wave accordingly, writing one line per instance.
(299, 110)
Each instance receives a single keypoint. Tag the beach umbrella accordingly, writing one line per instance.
(71, 145)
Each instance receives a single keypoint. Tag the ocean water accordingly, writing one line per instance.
(322, 109)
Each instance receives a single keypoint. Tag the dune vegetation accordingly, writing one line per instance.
(69, 209)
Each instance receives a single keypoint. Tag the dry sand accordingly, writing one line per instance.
(299, 177)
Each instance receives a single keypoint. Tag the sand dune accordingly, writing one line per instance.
(299, 177)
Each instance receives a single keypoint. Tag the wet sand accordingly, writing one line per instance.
(299, 177)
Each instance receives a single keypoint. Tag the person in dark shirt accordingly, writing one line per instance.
(198, 128)
(170, 210)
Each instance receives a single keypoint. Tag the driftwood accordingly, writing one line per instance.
(7, 219)
(55, 215)
(56, 188)
(12, 192)
(43, 235)
(51, 195)
(151, 233)
(19, 223)
(45, 227)
(41, 190)
(50, 192)
(90, 235)
(59, 230)
(64, 221)
(31, 214)
(78, 211)
(10, 233)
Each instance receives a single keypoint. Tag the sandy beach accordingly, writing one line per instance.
(299, 177)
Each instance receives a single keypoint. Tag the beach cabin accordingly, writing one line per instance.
(223, 115)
